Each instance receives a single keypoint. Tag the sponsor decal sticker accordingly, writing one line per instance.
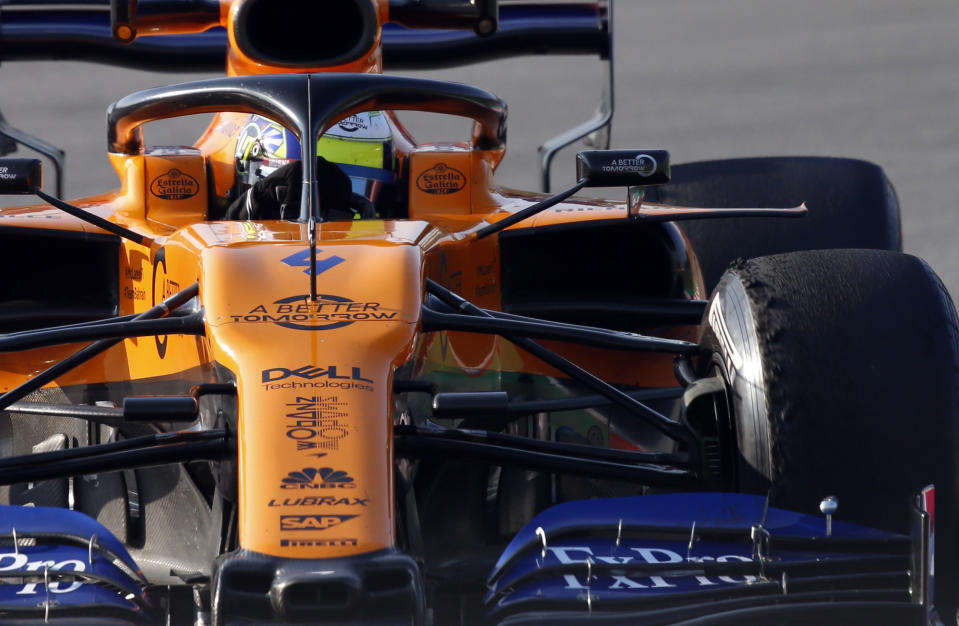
(326, 313)
(319, 501)
(316, 543)
(334, 378)
(369, 125)
(163, 288)
(486, 279)
(312, 522)
(642, 164)
(576, 554)
(19, 562)
(441, 180)
(134, 293)
(174, 185)
(27, 216)
(735, 359)
(302, 259)
(316, 422)
(318, 478)
(354, 123)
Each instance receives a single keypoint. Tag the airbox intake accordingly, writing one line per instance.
(305, 33)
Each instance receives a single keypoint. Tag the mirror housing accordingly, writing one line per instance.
(623, 168)
(20, 176)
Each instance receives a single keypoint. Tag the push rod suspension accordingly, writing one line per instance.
(673, 430)
(528, 327)
(112, 416)
(647, 312)
(416, 443)
(526, 444)
(158, 449)
(529, 407)
(106, 415)
(188, 325)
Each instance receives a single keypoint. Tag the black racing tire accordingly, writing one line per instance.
(842, 371)
(851, 204)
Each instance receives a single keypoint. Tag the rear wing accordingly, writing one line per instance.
(81, 30)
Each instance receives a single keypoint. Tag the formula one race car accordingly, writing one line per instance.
(312, 370)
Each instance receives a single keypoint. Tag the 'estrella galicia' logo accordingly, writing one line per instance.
(441, 180)
(318, 478)
(174, 185)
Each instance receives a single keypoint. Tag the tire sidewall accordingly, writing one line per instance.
(730, 343)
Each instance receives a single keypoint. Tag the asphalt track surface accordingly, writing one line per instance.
(870, 79)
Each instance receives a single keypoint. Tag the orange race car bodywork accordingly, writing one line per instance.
(261, 321)
(308, 344)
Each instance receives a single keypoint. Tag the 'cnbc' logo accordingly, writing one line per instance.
(318, 478)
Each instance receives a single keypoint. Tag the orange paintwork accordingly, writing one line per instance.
(238, 64)
(326, 429)
(173, 193)
(300, 423)
(246, 288)
(439, 181)
(43, 216)
(218, 144)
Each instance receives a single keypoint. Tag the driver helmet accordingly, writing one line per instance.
(361, 145)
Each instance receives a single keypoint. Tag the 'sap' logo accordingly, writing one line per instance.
(312, 522)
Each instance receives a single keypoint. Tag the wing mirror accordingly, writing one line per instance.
(622, 168)
(20, 176)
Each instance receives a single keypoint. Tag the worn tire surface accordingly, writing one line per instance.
(843, 367)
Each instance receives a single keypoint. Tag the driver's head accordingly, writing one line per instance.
(361, 145)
